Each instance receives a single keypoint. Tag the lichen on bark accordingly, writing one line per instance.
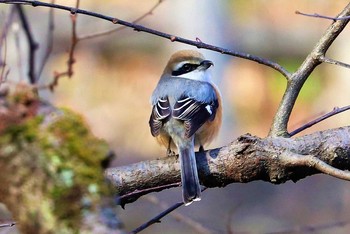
(50, 165)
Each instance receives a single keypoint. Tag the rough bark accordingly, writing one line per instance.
(248, 158)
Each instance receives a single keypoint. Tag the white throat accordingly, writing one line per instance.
(199, 75)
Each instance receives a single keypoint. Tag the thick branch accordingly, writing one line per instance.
(249, 158)
(279, 126)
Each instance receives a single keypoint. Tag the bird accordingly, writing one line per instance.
(186, 113)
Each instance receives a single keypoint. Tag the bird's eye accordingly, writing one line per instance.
(187, 67)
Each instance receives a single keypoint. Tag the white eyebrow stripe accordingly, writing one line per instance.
(180, 64)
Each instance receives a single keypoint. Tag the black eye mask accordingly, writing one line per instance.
(186, 68)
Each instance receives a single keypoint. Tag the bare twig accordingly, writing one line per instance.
(71, 60)
(196, 226)
(107, 32)
(3, 66)
(10, 224)
(134, 195)
(157, 218)
(3, 44)
(336, 110)
(315, 15)
(74, 41)
(33, 46)
(334, 62)
(298, 78)
(140, 28)
(7, 24)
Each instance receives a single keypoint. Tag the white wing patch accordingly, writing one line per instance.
(208, 107)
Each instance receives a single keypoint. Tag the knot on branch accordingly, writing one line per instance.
(115, 20)
(73, 11)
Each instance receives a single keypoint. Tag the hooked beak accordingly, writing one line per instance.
(205, 64)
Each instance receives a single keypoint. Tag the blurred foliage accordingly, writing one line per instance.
(277, 84)
(50, 166)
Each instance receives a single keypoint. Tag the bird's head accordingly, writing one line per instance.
(189, 64)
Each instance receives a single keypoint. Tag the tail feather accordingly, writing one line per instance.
(191, 190)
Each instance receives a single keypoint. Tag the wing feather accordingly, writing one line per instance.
(160, 113)
(194, 113)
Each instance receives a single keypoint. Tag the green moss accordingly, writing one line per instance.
(77, 161)
(53, 171)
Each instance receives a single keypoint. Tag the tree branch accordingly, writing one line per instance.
(5, 225)
(107, 32)
(334, 62)
(139, 28)
(335, 111)
(315, 15)
(157, 218)
(246, 159)
(197, 227)
(298, 78)
(32, 47)
(7, 25)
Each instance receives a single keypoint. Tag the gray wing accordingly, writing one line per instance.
(194, 113)
(160, 113)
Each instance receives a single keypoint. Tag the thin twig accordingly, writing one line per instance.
(157, 218)
(336, 110)
(3, 44)
(33, 46)
(7, 24)
(71, 60)
(74, 40)
(298, 78)
(11, 224)
(50, 40)
(3, 66)
(315, 15)
(140, 28)
(107, 32)
(133, 196)
(196, 226)
(334, 62)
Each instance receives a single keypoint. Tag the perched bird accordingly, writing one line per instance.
(186, 113)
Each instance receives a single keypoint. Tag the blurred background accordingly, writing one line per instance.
(115, 75)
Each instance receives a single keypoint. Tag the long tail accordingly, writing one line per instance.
(191, 190)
